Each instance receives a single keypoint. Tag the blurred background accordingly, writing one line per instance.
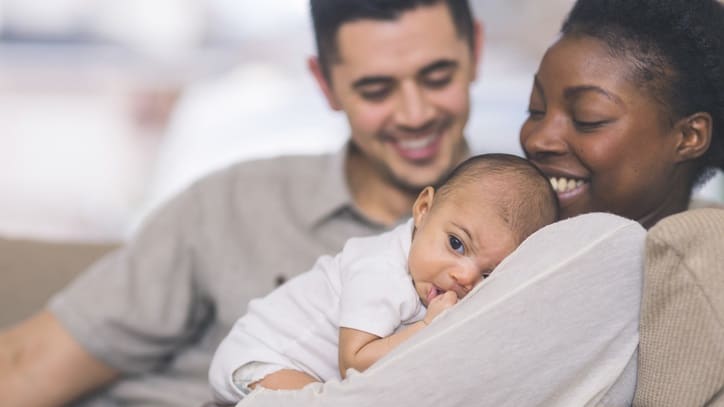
(108, 107)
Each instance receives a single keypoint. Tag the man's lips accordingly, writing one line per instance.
(420, 144)
(418, 148)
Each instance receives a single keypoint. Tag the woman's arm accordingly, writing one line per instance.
(359, 349)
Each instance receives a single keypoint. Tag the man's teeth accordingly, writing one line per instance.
(417, 143)
(562, 184)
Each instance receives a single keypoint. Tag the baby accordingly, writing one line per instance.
(351, 309)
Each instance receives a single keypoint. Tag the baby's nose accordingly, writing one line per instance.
(467, 277)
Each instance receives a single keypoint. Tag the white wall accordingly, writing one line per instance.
(86, 86)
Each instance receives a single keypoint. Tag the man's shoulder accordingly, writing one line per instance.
(284, 163)
(268, 171)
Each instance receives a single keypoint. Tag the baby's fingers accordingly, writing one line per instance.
(449, 298)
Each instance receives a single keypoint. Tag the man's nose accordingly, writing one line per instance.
(413, 111)
(544, 137)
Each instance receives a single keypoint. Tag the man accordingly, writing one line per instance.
(140, 327)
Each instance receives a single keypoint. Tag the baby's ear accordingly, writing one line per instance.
(422, 205)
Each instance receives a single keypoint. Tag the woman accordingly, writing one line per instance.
(627, 107)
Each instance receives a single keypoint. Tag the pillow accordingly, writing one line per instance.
(556, 324)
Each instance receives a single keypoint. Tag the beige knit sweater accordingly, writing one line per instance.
(681, 356)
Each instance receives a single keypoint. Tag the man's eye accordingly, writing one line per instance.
(456, 244)
(438, 81)
(375, 94)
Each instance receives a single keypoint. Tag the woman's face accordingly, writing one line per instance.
(602, 139)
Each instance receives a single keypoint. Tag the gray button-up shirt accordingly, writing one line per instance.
(158, 308)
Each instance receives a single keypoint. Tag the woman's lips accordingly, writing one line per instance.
(568, 187)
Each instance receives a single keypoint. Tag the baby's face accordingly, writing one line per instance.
(458, 241)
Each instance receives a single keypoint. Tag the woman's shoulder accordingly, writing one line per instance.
(697, 203)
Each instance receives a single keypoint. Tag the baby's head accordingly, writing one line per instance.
(477, 216)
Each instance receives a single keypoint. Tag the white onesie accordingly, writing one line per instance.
(366, 287)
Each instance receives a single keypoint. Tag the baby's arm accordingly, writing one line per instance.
(359, 349)
(285, 379)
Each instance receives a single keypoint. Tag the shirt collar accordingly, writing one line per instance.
(331, 194)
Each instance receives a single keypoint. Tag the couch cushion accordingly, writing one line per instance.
(31, 271)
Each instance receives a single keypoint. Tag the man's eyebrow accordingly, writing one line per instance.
(385, 80)
(441, 64)
(372, 80)
(576, 91)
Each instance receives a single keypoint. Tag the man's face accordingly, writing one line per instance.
(404, 86)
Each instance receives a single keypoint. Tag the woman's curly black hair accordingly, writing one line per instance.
(677, 50)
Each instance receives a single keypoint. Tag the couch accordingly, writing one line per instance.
(681, 357)
(30, 271)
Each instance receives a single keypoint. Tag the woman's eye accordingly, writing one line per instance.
(589, 125)
(456, 244)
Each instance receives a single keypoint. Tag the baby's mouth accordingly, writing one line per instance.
(434, 292)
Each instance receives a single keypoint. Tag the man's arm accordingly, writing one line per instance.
(42, 365)
(359, 349)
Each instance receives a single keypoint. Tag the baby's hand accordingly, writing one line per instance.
(440, 304)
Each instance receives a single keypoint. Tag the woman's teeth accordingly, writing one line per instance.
(562, 184)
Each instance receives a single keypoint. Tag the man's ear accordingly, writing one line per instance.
(478, 46)
(316, 69)
(422, 205)
(694, 136)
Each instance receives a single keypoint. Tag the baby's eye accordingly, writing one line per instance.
(456, 244)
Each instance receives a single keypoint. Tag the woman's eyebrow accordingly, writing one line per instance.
(576, 91)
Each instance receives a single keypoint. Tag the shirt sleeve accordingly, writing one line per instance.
(136, 306)
(377, 297)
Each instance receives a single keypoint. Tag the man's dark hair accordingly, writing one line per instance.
(329, 15)
(676, 50)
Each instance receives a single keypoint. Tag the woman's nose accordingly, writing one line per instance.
(543, 137)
